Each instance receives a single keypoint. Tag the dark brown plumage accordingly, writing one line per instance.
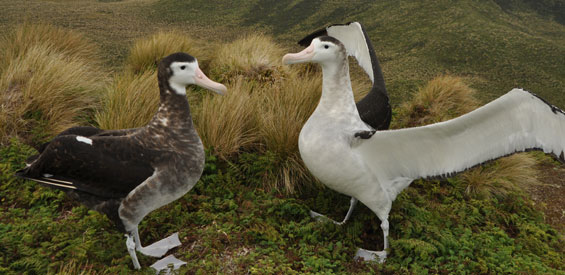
(128, 173)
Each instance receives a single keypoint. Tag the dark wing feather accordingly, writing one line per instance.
(374, 109)
(111, 167)
(85, 131)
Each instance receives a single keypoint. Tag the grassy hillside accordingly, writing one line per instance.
(249, 212)
(499, 44)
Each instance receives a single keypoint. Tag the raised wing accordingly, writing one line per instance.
(515, 122)
(104, 166)
(374, 109)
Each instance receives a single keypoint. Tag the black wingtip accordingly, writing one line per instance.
(305, 42)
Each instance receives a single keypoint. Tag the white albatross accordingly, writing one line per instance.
(374, 167)
(374, 109)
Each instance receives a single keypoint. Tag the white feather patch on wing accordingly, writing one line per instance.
(514, 122)
(352, 37)
(84, 140)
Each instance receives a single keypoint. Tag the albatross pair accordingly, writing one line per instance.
(126, 174)
(348, 156)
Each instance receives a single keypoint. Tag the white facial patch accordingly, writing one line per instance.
(84, 139)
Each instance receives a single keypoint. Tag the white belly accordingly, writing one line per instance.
(327, 153)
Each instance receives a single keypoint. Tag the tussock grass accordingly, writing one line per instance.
(501, 177)
(44, 92)
(226, 123)
(447, 97)
(130, 101)
(443, 98)
(255, 56)
(72, 45)
(283, 109)
(147, 52)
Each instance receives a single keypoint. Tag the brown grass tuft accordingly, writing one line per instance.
(226, 123)
(72, 45)
(147, 52)
(48, 90)
(130, 101)
(443, 98)
(283, 109)
(501, 177)
(256, 57)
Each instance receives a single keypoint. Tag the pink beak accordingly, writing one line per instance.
(305, 55)
(203, 81)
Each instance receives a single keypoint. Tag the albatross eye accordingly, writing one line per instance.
(182, 67)
(326, 46)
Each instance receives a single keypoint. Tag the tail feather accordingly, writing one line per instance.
(47, 180)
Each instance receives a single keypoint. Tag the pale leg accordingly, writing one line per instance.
(321, 218)
(380, 256)
(130, 244)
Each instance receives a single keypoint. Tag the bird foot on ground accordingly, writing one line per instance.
(321, 218)
(368, 255)
(158, 249)
(164, 264)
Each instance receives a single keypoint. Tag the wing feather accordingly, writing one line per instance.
(515, 122)
(110, 167)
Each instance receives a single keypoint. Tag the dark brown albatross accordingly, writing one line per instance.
(126, 174)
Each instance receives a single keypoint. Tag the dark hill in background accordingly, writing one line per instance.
(498, 44)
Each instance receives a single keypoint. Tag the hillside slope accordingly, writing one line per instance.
(499, 44)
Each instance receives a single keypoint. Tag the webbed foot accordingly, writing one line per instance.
(368, 255)
(159, 248)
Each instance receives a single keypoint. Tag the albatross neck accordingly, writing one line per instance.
(337, 94)
(174, 111)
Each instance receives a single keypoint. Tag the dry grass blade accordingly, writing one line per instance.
(47, 89)
(130, 101)
(147, 52)
(74, 268)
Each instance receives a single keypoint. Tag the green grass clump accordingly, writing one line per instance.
(147, 52)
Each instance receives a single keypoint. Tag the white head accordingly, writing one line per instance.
(322, 50)
(181, 69)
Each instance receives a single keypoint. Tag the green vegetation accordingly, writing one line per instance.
(249, 212)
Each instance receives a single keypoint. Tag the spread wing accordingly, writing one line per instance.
(104, 166)
(374, 109)
(515, 122)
